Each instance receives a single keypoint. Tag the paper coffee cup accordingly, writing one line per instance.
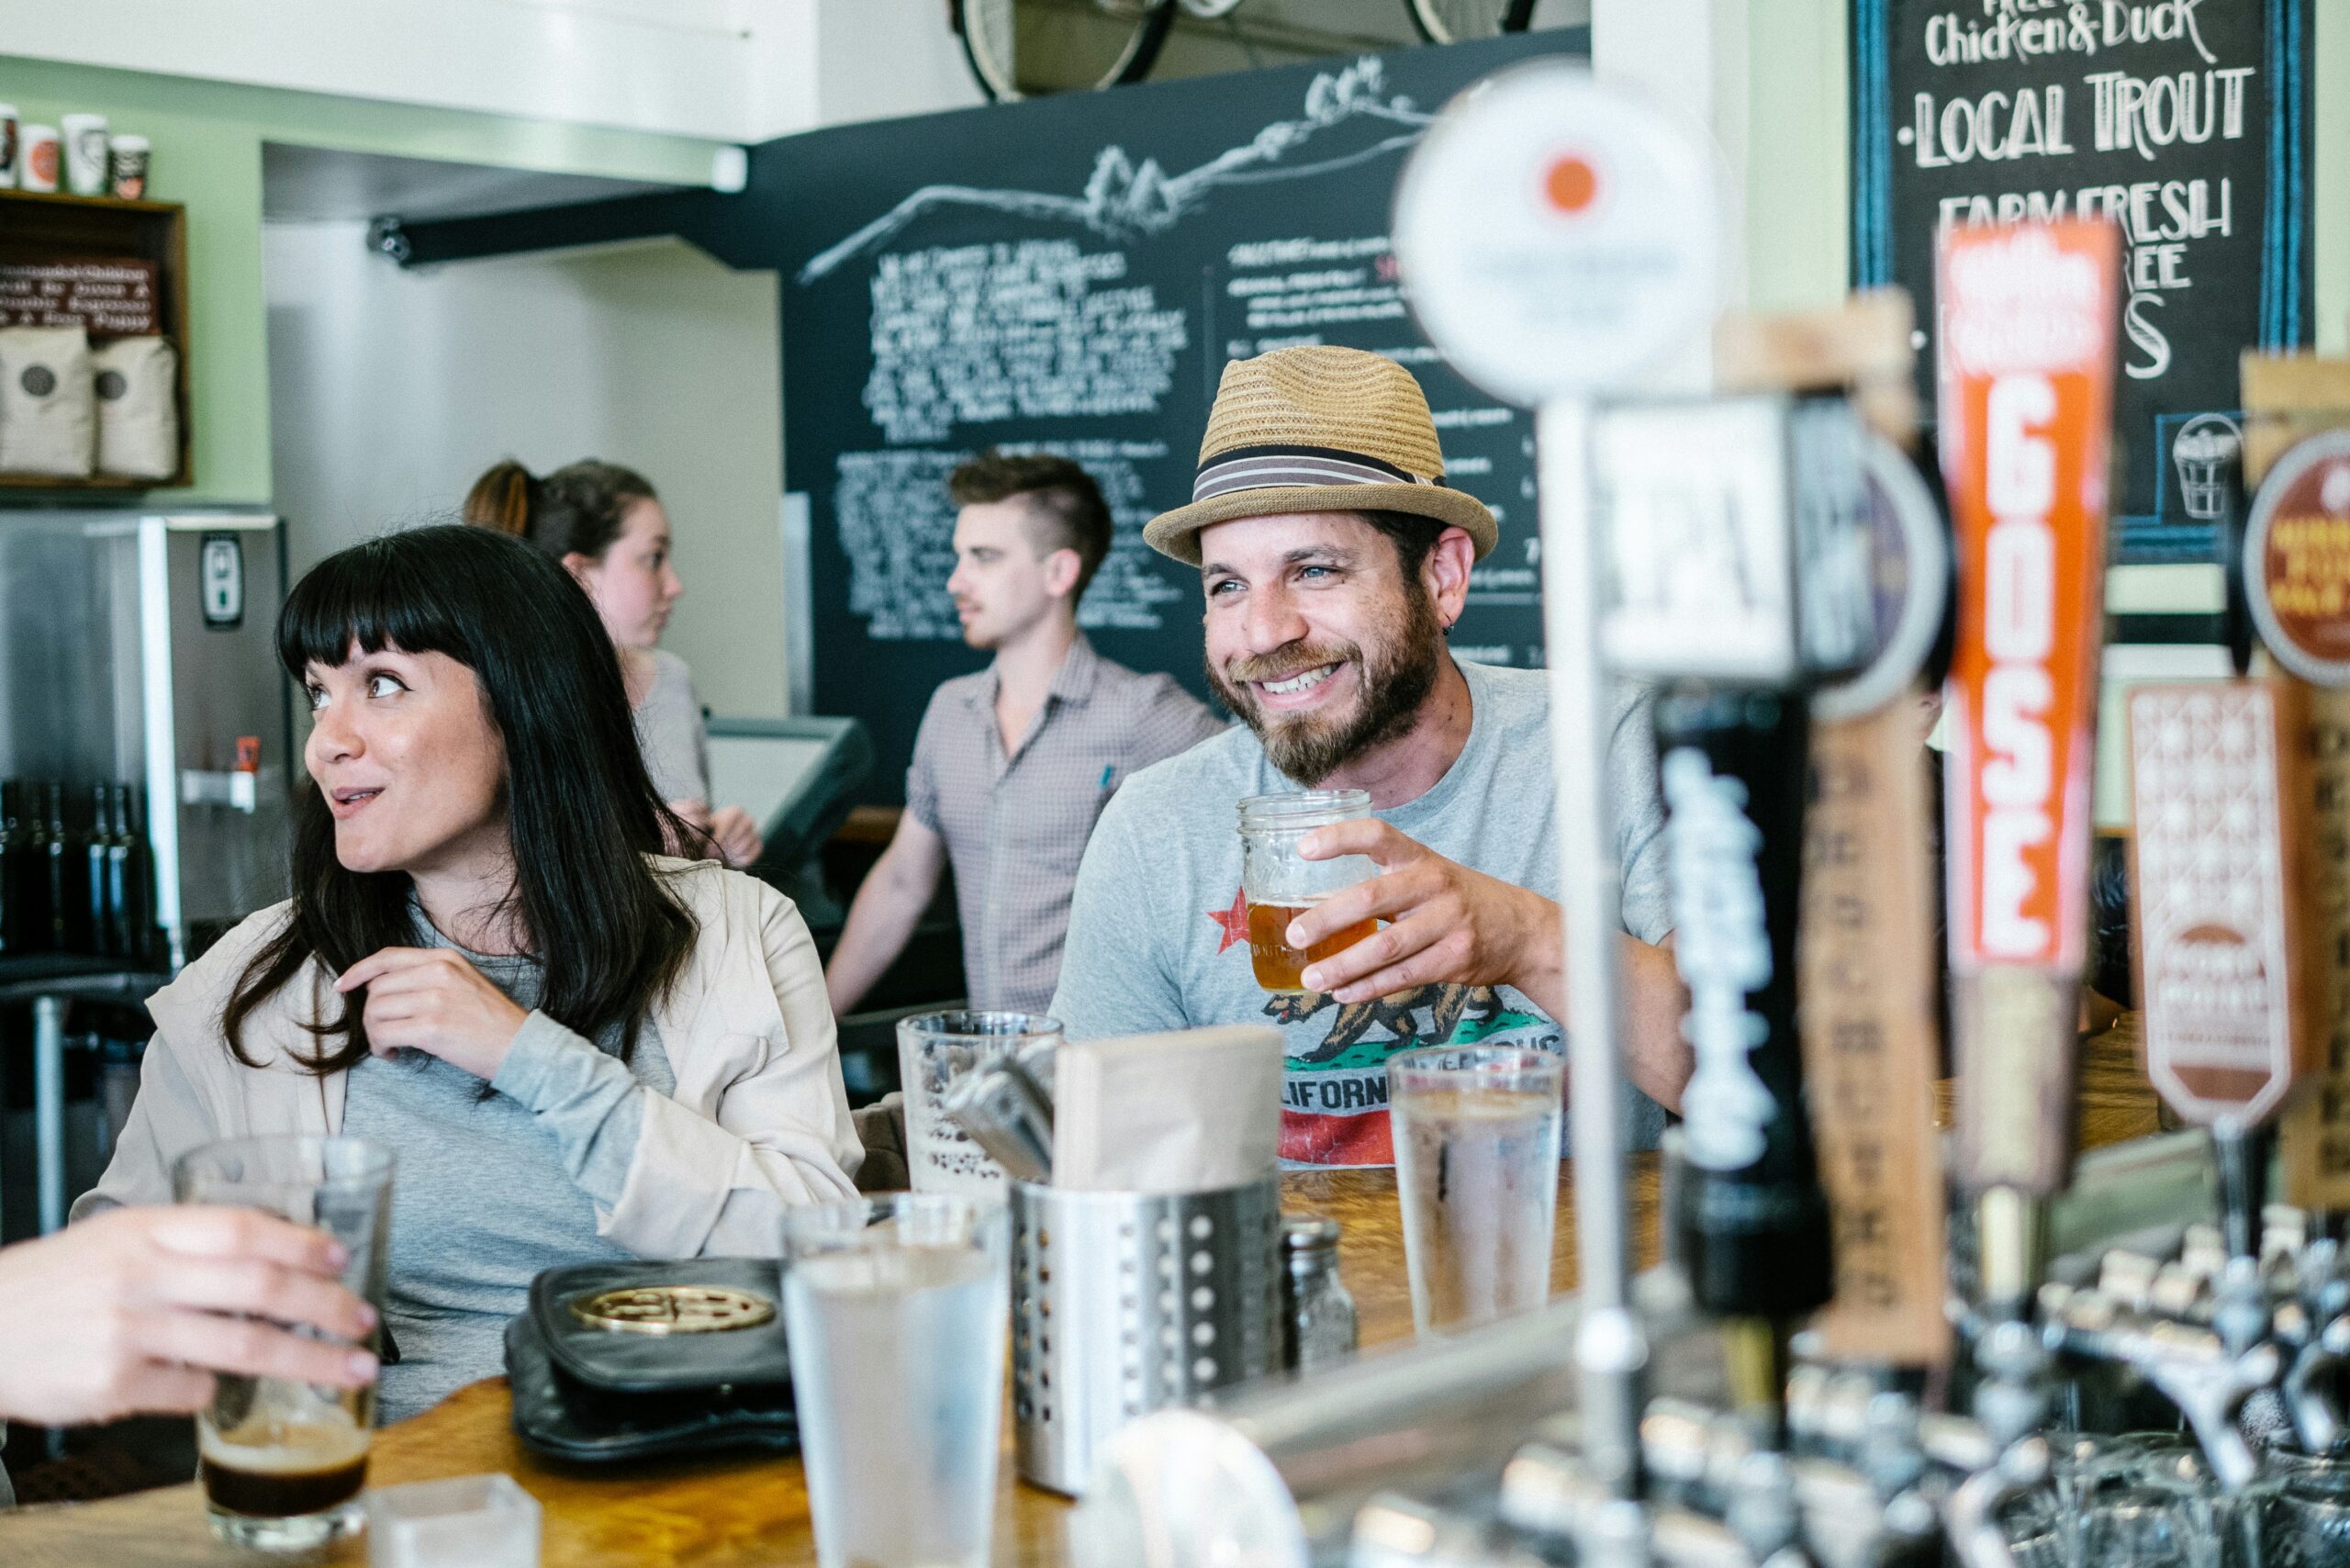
(127, 158)
(39, 171)
(85, 154)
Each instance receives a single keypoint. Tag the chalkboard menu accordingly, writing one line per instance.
(1070, 275)
(2187, 121)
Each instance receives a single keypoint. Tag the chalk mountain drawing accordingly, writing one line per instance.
(1121, 199)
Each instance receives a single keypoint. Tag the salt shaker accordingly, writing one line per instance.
(1319, 1314)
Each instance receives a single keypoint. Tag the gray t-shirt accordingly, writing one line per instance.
(671, 734)
(1157, 933)
(488, 1191)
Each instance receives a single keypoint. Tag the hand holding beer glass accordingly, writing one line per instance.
(283, 1462)
(1279, 884)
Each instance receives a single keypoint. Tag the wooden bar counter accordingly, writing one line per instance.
(714, 1512)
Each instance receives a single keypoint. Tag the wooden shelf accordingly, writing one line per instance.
(45, 226)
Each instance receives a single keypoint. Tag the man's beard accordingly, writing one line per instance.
(1396, 676)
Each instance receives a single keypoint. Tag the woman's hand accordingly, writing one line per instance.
(729, 830)
(431, 1000)
(124, 1313)
(737, 835)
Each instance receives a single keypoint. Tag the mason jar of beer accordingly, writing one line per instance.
(1279, 884)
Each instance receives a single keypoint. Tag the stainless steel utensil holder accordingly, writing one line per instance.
(1125, 1303)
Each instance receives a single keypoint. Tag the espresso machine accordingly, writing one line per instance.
(144, 733)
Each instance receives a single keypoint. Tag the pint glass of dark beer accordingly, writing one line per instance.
(283, 1462)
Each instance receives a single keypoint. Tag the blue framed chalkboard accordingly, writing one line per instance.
(2187, 120)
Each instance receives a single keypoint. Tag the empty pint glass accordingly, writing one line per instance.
(1476, 1133)
(1279, 884)
(283, 1462)
(933, 1050)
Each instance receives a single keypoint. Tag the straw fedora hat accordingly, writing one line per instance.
(1317, 428)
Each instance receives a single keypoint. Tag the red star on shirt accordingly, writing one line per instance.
(1234, 921)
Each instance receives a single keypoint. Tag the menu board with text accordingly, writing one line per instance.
(2185, 121)
(1070, 275)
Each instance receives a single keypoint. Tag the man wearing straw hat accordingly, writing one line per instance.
(1333, 560)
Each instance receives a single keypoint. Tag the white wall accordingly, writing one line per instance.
(734, 71)
(676, 66)
(879, 58)
(390, 391)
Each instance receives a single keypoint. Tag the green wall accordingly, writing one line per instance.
(1795, 220)
(207, 138)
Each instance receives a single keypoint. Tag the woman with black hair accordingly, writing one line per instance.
(575, 1048)
(605, 526)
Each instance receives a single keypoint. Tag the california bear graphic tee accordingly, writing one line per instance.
(1157, 933)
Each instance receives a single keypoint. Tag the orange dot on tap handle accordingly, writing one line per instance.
(249, 754)
(1570, 182)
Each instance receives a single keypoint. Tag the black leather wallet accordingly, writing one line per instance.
(633, 1359)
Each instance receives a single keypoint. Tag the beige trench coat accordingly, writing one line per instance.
(758, 1122)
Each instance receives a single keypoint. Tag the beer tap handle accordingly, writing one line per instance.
(1753, 1218)
(2216, 767)
(2024, 436)
(2212, 1394)
(1394, 1530)
(1873, 575)
(1971, 1515)
(2293, 448)
(1869, 978)
(1551, 1493)
(2241, 1154)
(2309, 1400)
(1720, 517)
(2193, 1366)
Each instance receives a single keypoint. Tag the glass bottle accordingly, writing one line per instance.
(55, 883)
(9, 913)
(25, 868)
(1320, 1314)
(90, 911)
(131, 877)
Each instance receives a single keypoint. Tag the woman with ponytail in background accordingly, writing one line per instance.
(608, 528)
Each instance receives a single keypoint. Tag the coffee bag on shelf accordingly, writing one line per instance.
(139, 422)
(48, 423)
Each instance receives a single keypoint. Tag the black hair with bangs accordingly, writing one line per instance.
(582, 814)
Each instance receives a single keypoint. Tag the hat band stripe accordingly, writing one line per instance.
(1267, 467)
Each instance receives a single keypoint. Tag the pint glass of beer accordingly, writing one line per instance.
(1279, 884)
(283, 1462)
